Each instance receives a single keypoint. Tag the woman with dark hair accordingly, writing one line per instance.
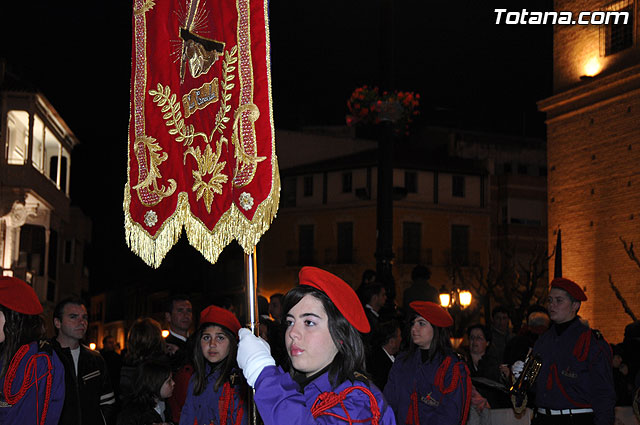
(429, 383)
(216, 390)
(154, 384)
(31, 373)
(326, 383)
(144, 342)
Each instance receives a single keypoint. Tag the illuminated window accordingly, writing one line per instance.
(617, 35)
(18, 137)
(37, 153)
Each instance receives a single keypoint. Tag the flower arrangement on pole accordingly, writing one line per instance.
(367, 106)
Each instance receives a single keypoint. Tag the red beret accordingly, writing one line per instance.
(571, 287)
(220, 316)
(18, 296)
(340, 293)
(434, 313)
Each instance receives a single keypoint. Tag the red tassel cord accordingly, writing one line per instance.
(328, 400)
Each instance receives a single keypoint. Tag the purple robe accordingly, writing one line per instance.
(280, 400)
(38, 364)
(205, 407)
(443, 393)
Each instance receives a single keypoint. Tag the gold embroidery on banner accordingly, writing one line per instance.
(246, 163)
(200, 98)
(145, 145)
(173, 117)
(208, 165)
(199, 52)
(230, 59)
(147, 6)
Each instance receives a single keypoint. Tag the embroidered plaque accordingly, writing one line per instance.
(201, 135)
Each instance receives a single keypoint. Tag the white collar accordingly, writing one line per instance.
(180, 337)
(375, 313)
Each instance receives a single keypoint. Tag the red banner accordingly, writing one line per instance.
(201, 135)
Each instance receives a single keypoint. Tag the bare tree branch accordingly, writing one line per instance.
(621, 298)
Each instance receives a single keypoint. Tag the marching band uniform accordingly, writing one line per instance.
(575, 382)
(439, 389)
(285, 399)
(32, 390)
(281, 400)
(423, 391)
(198, 409)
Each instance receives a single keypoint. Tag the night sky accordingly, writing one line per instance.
(469, 72)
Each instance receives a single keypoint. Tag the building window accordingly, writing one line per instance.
(617, 34)
(411, 242)
(542, 171)
(305, 245)
(307, 186)
(411, 181)
(345, 243)
(288, 193)
(457, 187)
(460, 245)
(522, 169)
(506, 167)
(17, 137)
(69, 251)
(347, 182)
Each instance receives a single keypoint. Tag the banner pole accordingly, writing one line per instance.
(251, 269)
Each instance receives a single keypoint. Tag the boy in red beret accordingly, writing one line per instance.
(31, 373)
(326, 358)
(429, 383)
(575, 382)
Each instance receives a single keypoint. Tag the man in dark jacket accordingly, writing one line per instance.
(89, 398)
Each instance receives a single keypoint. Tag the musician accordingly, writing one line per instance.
(575, 383)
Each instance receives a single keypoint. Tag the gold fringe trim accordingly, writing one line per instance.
(210, 243)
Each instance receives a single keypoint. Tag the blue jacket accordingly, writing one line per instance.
(40, 370)
(576, 372)
(207, 406)
(280, 400)
(441, 389)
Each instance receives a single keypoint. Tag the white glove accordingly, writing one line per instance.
(517, 368)
(254, 354)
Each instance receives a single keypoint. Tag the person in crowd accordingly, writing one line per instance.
(326, 383)
(485, 369)
(575, 382)
(500, 332)
(216, 392)
(385, 346)
(113, 361)
(518, 347)
(179, 315)
(275, 307)
(622, 381)
(154, 384)
(89, 397)
(26, 359)
(420, 289)
(144, 342)
(429, 383)
(373, 298)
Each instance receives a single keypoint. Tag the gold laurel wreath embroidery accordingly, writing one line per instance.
(208, 164)
(147, 6)
(226, 84)
(156, 157)
(173, 116)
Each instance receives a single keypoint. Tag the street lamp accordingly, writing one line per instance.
(456, 296)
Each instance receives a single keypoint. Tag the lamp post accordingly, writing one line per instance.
(455, 301)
